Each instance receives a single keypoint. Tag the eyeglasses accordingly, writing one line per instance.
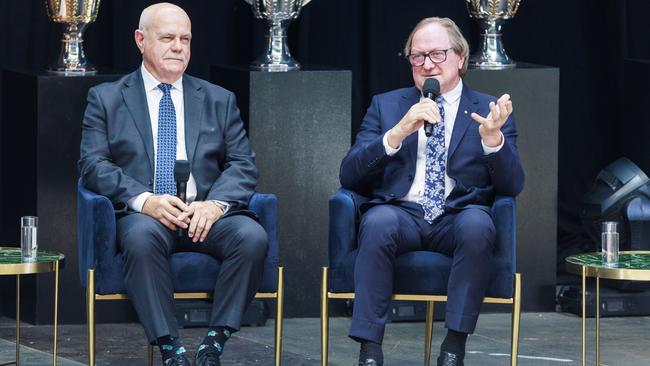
(436, 56)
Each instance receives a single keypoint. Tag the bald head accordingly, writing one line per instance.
(152, 12)
(163, 37)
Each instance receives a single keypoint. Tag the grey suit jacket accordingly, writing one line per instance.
(117, 159)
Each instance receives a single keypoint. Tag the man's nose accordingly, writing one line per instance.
(176, 45)
(428, 64)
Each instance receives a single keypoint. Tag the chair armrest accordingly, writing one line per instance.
(266, 207)
(95, 230)
(343, 210)
(504, 216)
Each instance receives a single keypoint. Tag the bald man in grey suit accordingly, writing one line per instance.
(133, 131)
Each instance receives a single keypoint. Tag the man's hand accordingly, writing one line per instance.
(166, 209)
(490, 128)
(203, 215)
(425, 110)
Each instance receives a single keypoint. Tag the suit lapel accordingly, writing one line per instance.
(136, 102)
(411, 97)
(193, 103)
(469, 104)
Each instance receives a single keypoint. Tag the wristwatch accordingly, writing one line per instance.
(222, 205)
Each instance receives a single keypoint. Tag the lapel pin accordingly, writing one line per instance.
(465, 111)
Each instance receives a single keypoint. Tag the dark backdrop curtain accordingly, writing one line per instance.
(588, 40)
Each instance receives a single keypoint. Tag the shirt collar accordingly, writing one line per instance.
(150, 82)
(454, 94)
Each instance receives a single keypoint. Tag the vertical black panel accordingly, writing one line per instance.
(535, 94)
(299, 126)
(41, 134)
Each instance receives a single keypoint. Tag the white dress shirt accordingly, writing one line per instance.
(154, 95)
(451, 102)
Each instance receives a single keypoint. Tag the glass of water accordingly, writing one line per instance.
(609, 243)
(29, 237)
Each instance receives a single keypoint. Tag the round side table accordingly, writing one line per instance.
(632, 265)
(12, 263)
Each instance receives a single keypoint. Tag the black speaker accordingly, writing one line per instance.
(615, 186)
(620, 189)
(196, 313)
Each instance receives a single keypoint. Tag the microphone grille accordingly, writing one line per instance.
(431, 86)
(182, 171)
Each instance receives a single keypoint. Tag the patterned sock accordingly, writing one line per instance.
(454, 342)
(216, 337)
(170, 347)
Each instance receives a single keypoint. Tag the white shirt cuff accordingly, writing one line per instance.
(136, 203)
(489, 150)
(389, 150)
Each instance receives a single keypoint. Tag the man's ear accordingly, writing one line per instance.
(139, 39)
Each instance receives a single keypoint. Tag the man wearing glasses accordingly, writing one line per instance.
(430, 193)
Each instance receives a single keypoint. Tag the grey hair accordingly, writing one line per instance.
(458, 42)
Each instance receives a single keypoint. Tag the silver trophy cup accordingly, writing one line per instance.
(278, 14)
(75, 15)
(491, 15)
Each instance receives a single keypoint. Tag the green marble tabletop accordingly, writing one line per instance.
(10, 255)
(632, 265)
(625, 260)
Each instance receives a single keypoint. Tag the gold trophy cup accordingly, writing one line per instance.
(75, 15)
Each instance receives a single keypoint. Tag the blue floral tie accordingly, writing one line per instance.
(433, 201)
(166, 154)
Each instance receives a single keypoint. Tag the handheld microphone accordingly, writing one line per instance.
(181, 176)
(431, 90)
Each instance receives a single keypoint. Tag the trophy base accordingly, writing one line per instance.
(72, 72)
(485, 65)
(276, 67)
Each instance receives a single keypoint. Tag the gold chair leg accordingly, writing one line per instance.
(428, 332)
(90, 315)
(324, 318)
(56, 309)
(516, 318)
(279, 317)
(149, 354)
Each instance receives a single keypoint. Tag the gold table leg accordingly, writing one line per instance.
(56, 308)
(17, 320)
(584, 314)
(597, 321)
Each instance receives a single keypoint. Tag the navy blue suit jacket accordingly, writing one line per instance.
(117, 158)
(369, 171)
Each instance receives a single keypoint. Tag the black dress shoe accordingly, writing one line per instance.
(207, 356)
(369, 362)
(370, 354)
(450, 359)
(178, 360)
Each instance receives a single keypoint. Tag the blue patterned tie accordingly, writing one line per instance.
(166, 154)
(433, 201)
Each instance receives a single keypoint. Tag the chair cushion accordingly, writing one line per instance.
(192, 272)
(421, 272)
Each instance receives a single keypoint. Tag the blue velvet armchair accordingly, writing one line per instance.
(100, 262)
(420, 275)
